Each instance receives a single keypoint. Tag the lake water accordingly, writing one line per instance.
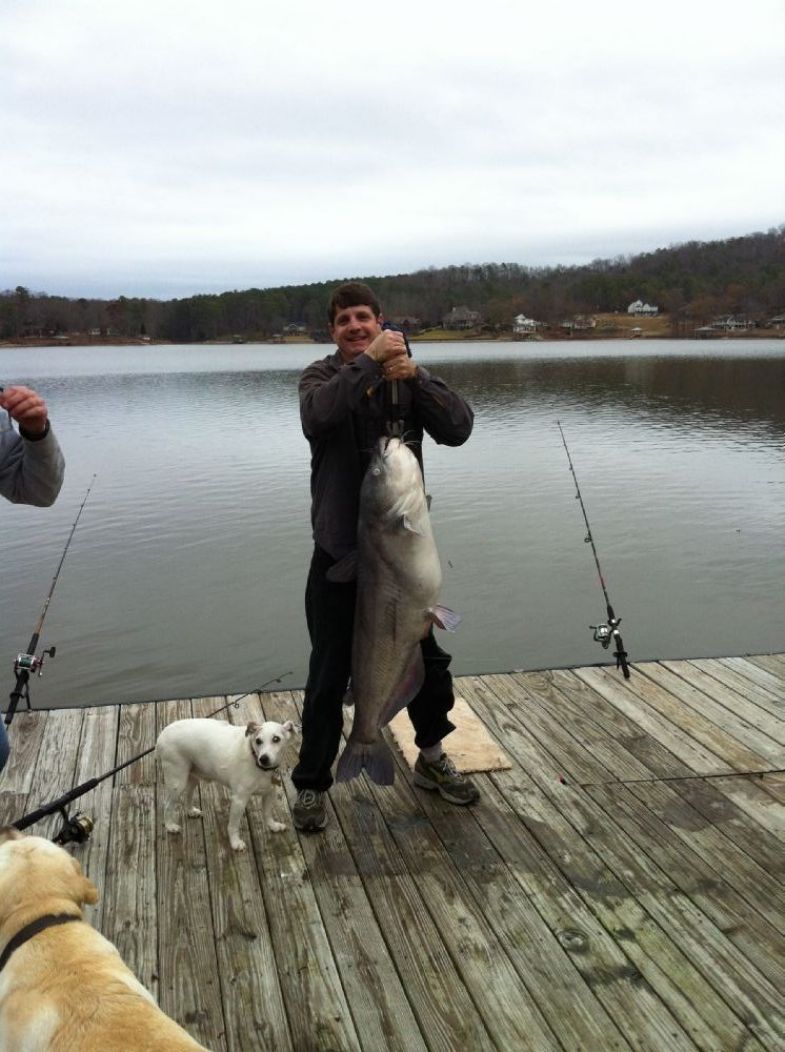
(185, 576)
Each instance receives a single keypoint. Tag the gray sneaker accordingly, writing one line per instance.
(444, 777)
(310, 814)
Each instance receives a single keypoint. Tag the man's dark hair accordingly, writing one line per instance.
(352, 294)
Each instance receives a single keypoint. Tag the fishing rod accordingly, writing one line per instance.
(77, 828)
(395, 422)
(29, 662)
(608, 631)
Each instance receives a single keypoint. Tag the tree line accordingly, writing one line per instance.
(691, 282)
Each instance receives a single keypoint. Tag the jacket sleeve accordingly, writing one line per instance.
(31, 472)
(446, 417)
(327, 398)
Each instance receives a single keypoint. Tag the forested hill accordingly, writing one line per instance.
(691, 283)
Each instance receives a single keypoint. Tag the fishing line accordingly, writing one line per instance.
(78, 827)
(608, 631)
(29, 662)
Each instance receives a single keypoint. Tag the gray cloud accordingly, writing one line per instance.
(169, 149)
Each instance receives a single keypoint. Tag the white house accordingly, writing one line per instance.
(522, 325)
(641, 308)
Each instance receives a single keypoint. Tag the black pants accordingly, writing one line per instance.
(329, 613)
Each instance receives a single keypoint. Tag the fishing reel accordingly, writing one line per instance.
(604, 633)
(75, 830)
(30, 664)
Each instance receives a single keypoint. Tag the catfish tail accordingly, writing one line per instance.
(375, 758)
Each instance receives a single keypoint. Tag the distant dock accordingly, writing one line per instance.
(621, 887)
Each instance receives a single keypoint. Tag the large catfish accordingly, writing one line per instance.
(398, 584)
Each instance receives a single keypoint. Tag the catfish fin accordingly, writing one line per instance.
(345, 570)
(375, 758)
(407, 525)
(445, 618)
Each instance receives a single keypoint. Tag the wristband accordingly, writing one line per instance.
(28, 437)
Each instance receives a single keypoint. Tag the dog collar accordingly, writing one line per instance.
(31, 929)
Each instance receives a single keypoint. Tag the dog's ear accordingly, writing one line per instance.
(89, 892)
(10, 833)
(252, 728)
(289, 727)
(84, 889)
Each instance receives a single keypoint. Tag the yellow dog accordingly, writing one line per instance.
(63, 986)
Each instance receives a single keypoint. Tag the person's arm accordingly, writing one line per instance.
(31, 462)
(327, 398)
(446, 417)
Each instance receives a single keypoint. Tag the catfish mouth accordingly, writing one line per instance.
(390, 444)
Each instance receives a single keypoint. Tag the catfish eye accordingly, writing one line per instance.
(258, 741)
(376, 471)
(276, 739)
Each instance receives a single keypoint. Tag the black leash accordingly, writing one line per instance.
(29, 662)
(610, 630)
(77, 828)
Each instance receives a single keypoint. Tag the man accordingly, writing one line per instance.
(345, 407)
(31, 464)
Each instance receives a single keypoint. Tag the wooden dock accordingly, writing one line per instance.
(621, 887)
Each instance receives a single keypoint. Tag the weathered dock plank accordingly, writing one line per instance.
(621, 887)
(661, 996)
(25, 735)
(189, 988)
(136, 734)
(129, 916)
(378, 980)
(251, 994)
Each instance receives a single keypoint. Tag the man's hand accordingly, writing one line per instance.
(26, 407)
(389, 350)
(388, 344)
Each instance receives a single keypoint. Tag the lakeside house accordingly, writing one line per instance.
(732, 323)
(579, 323)
(641, 309)
(725, 324)
(523, 326)
(461, 318)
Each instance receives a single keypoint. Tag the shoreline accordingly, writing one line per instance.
(79, 340)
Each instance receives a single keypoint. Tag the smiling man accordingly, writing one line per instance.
(346, 405)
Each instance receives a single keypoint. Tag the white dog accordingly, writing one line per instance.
(241, 758)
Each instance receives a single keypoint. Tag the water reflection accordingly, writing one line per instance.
(734, 391)
(186, 574)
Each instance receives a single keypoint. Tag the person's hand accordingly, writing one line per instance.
(399, 368)
(388, 344)
(25, 406)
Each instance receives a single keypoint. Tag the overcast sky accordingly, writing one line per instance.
(167, 147)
